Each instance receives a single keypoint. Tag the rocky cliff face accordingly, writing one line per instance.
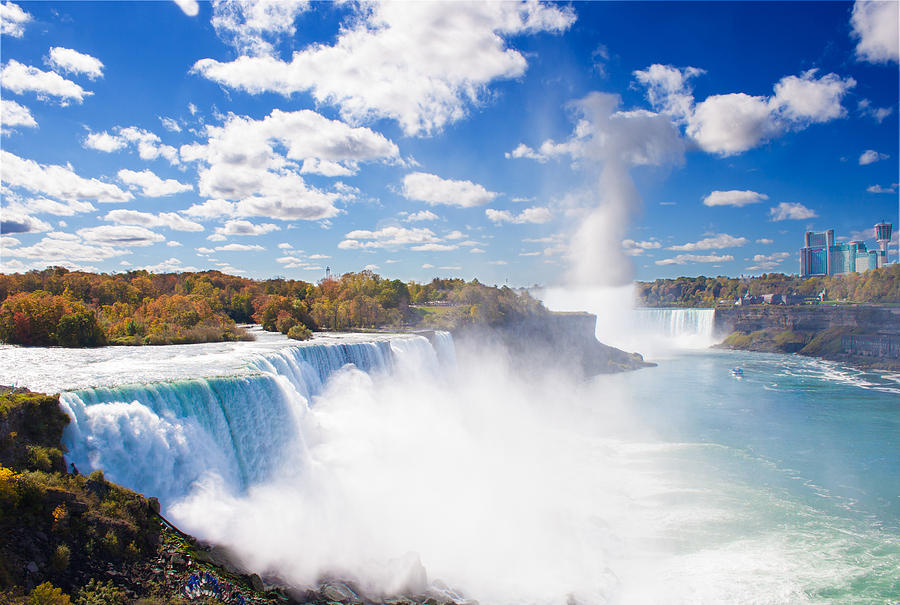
(812, 318)
(563, 340)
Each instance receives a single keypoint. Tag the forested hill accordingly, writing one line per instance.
(873, 287)
(73, 308)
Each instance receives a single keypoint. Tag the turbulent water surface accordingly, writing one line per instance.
(370, 456)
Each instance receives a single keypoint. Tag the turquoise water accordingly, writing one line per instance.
(796, 465)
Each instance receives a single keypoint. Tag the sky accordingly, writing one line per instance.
(517, 143)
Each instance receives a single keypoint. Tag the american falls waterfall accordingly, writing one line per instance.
(683, 328)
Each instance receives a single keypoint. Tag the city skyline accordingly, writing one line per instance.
(521, 142)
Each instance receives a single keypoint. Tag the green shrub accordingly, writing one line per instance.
(48, 594)
(299, 332)
(100, 593)
(60, 559)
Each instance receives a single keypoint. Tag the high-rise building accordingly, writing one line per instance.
(820, 255)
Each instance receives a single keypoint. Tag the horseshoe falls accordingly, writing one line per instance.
(397, 460)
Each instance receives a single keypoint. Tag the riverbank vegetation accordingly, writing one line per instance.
(879, 286)
(57, 307)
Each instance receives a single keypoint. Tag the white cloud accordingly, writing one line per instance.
(318, 256)
(150, 184)
(497, 262)
(190, 7)
(422, 215)
(246, 24)
(48, 206)
(878, 114)
(729, 124)
(21, 78)
(476, 251)
(875, 25)
(149, 146)
(870, 156)
(668, 89)
(170, 124)
(239, 247)
(764, 240)
(388, 236)
(370, 71)
(211, 209)
(432, 189)
(172, 265)
(535, 215)
(120, 235)
(792, 211)
(74, 62)
(13, 19)
(13, 115)
(716, 242)
(428, 266)
(57, 248)
(631, 247)
(145, 219)
(768, 262)
(370, 267)
(733, 198)
(56, 181)
(285, 246)
(434, 247)
(880, 189)
(173, 244)
(15, 221)
(683, 259)
(242, 227)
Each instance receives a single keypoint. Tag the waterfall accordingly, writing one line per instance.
(162, 438)
(678, 324)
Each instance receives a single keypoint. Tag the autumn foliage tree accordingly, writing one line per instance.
(43, 319)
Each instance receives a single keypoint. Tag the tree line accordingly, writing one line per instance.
(878, 286)
(58, 307)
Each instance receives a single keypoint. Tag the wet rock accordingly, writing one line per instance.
(257, 583)
(339, 592)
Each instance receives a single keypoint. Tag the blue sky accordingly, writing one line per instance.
(517, 143)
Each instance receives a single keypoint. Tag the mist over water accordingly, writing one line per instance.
(419, 463)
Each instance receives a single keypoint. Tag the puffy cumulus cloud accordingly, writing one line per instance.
(323, 146)
(241, 164)
(728, 124)
(422, 215)
(805, 99)
(716, 242)
(14, 220)
(13, 19)
(149, 146)
(56, 181)
(733, 123)
(361, 239)
(150, 184)
(791, 211)
(536, 215)
(21, 78)
(170, 124)
(768, 262)
(370, 72)
(172, 220)
(172, 265)
(733, 198)
(74, 62)
(668, 88)
(120, 235)
(684, 259)
(190, 7)
(249, 25)
(242, 227)
(870, 156)
(432, 189)
(13, 115)
(875, 26)
(61, 248)
(631, 247)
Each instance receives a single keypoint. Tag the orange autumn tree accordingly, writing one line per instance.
(42, 319)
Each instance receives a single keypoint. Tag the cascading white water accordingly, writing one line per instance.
(683, 328)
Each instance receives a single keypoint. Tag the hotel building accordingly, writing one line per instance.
(821, 256)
